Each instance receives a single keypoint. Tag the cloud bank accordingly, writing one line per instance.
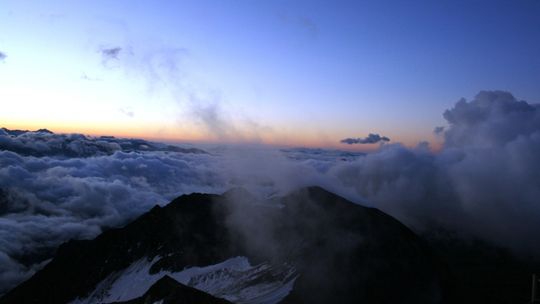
(483, 183)
(45, 143)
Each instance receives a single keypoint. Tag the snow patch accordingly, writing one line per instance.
(234, 279)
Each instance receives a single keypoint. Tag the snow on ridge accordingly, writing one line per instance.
(234, 279)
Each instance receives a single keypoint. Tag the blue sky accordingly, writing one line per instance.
(281, 72)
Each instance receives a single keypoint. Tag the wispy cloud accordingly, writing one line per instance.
(111, 53)
(127, 112)
(85, 76)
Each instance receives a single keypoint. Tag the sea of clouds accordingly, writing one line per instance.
(484, 182)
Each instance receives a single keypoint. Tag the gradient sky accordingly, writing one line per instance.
(281, 72)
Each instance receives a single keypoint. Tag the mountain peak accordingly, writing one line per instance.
(317, 247)
(44, 131)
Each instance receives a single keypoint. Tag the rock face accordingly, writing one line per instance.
(310, 246)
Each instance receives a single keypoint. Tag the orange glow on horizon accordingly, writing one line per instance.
(175, 134)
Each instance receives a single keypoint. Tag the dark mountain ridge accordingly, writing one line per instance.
(340, 252)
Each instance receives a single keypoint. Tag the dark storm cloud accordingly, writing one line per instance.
(370, 139)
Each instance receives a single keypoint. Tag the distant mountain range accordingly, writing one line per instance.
(46, 143)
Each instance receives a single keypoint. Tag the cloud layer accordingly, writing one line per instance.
(483, 183)
(46, 200)
(56, 187)
(45, 143)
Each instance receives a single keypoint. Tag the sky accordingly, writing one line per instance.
(299, 73)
